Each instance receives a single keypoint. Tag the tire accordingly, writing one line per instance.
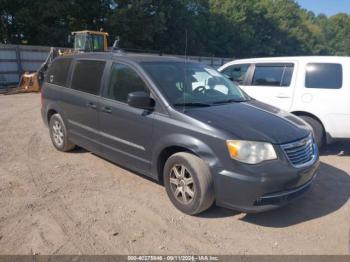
(199, 193)
(317, 128)
(58, 134)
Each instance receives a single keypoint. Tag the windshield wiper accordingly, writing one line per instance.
(199, 104)
(230, 101)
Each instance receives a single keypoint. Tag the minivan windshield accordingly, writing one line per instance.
(193, 84)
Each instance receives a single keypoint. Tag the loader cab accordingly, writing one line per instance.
(90, 41)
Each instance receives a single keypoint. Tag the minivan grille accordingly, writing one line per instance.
(301, 152)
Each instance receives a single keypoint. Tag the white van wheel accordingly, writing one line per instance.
(317, 128)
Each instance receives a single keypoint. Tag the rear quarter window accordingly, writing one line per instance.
(58, 72)
(324, 76)
(87, 76)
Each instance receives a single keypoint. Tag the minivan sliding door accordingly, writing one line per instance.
(81, 103)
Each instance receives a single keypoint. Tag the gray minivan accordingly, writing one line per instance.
(181, 123)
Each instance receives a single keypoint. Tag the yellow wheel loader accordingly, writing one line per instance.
(84, 41)
(90, 41)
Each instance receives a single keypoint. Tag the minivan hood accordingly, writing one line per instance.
(253, 121)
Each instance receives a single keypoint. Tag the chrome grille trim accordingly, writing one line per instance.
(302, 152)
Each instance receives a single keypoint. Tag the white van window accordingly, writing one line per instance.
(287, 76)
(273, 75)
(236, 73)
(324, 75)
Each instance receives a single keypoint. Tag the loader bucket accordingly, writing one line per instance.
(29, 83)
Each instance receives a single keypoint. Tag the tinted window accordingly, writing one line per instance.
(236, 72)
(124, 80)
(324, 76)
(87, 76)
(272, 75)
(287, 75)
(58, 72)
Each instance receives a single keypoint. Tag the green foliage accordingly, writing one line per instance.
(228, 28)
(336, 31)
(49, 22)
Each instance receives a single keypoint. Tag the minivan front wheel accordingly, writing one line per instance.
(58, 134)
(188, 183)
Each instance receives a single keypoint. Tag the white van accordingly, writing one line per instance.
(315, 88)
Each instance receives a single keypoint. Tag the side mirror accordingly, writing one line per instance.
(140, 100)
(69, 39)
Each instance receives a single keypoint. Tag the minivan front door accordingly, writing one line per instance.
(272, 83)
(125, 132)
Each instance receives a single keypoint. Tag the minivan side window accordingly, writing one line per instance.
(236, 73)
(124, 80)
(58, 71)
(87, 76)
(324, 75)
(273, 75)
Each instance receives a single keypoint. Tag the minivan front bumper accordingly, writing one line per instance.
(252, 193)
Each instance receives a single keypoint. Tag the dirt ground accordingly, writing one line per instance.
(79, 203)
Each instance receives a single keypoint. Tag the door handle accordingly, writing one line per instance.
(107, 109)
(283, 96)
(91, 105)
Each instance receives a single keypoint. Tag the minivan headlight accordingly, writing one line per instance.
(250, 152)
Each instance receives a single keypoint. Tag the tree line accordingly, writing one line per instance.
(224, 28)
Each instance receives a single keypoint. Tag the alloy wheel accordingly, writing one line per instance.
(182, 184)
(57, 133)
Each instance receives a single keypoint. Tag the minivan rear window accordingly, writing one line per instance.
(87, 76)
(324, 75)
(58, 71)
